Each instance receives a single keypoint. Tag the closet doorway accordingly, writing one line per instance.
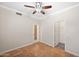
(59, 34)
(36, 32)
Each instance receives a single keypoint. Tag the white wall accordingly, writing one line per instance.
(52, 30)
(71, 29)
(62, 25)
(47, 30)
(58, 31)
(15, 30)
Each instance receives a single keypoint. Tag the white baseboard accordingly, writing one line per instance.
(74, 53)
(30, 43)
(47, 43)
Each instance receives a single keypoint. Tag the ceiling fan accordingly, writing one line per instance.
(38, 7)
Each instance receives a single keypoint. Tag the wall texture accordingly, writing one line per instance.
(52, 30)
(68, 29)
(71, 29)
(47, 30)
(15, 30)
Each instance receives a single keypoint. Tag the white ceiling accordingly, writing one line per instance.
(56, 6)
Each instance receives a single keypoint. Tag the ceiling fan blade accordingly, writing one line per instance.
(47, 7)
(19, 13)
(34, 12)
(29, 6)
(42, 12)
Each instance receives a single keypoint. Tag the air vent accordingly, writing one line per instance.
(18, 13)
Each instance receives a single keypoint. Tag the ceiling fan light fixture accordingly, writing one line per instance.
(38, 6)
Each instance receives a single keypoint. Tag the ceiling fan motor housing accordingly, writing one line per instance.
(38, 6)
